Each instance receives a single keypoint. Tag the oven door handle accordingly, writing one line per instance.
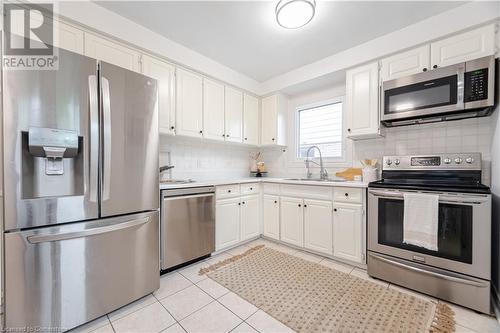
(434, 274)
(443, 198)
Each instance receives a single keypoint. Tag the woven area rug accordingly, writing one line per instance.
(309, 297)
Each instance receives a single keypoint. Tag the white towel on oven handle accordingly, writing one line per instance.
(421, 218)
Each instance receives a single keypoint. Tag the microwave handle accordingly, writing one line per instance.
(460, 85)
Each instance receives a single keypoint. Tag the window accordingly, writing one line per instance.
(320, 126)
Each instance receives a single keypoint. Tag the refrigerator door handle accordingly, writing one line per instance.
(43, 238)
(106, 108)
(94, 137)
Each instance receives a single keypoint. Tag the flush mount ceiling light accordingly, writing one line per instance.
(293, 14)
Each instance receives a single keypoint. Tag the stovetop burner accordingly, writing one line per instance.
(444, 173)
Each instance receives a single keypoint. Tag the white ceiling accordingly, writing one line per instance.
(244, 36)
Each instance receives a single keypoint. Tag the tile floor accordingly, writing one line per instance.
(187, 302)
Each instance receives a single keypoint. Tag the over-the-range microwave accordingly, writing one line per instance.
(453, 92)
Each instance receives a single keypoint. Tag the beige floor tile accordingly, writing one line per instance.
(212, 318)
(413, 293)
(186, 301)
(361, 273)
(92, 325)
(337, 266)
(153, 318)
(238, 305)
(261, 241)
(212, 288)
(176, 328)
(264, 323)
(191, 272)
(132, 307)
(238, 250)
(244, 328)
(461, 329)
(105, 329)
(218, 258)
(170, 284)
(475, 321)
(308, 256)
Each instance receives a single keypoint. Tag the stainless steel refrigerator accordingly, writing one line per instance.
(80, 191)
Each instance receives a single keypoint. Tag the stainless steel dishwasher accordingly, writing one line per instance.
(187, 229)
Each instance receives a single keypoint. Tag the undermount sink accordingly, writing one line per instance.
(176, 181)
(316, 180)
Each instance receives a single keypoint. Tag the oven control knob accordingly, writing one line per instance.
(396, 162)
(458, 160)
(447, 160)
(469, 160)
(389, 162)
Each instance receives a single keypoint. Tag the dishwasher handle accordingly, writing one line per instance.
(179, 197)
(187, 191)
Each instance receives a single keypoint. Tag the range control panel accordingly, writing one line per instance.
(476, 85)
(466, 161)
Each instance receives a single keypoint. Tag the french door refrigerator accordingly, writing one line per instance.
(80, 192)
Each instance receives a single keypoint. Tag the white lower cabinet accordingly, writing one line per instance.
(250, 213)
(271, 216)
(347, 231)
(227, 227)
(292, 221)
(318, 226)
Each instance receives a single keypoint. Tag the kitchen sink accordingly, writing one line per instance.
(316, 180)
(177, 181)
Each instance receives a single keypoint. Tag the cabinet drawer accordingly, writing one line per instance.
(227, 191)
(270, 188)
(251, 188)
(348, 194)
(307, 191)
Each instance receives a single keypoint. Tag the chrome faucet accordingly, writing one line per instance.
(166, 167)
(323, 174)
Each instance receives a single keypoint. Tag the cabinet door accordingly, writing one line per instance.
(318, 234)
(111, 52)
(270, 215)
(189, 103)
(250, 120)
(406, 63)
(469, 45)
(70, 38)
(362, 92)
(250, 213)
(227, 223)
(165, 74)
(269, 118)
(234, 115)
(347, 231)
(213, 110)
(292, 221)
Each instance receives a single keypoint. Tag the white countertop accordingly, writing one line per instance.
(165, 186)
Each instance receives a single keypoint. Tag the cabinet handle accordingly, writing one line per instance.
(335, 209)
(172, 127)
(348, 130)
(275, 201)
(201, 132)
(251, 188)
(346, 194)
(246, 139)
(228, 191)
(227, 135)
(435, 66)
(223, 135)
(239, 203)
(243, 202)
(300, 205)
(424, 69)
(273, 139)
(305, 206)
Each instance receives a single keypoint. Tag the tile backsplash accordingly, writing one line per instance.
(204, 160)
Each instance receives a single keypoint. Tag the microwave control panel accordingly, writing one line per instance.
(476, 85)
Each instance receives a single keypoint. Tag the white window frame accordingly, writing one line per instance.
(346, 159)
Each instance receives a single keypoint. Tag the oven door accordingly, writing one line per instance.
(434, 92)
(464, 231)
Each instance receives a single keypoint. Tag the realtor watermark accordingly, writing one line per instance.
(29, 35)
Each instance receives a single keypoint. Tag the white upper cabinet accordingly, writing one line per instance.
(292, 221)
(270, 216)
(70, 38)
(406, 63)
(273, 120)
(318, 234)
(213, 110)
(189, 103)
(164, 73)
(250, 216)
(347, 231)
(362, 99)
(233, 114)
(250, 120)
(469, 45)
(111, 52)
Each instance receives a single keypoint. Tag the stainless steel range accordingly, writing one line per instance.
(459, 271)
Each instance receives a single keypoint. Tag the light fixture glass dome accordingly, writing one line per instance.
(293, 14)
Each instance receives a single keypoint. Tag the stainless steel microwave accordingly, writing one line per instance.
(454, 92)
